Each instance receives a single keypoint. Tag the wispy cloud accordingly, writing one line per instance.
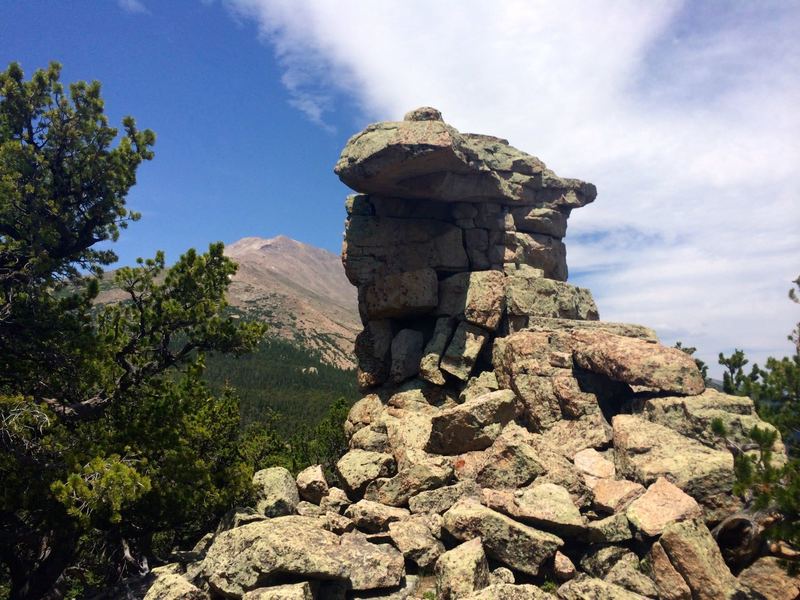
(684, 115)
(134, 7)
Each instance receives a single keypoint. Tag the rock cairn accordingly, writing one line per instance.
(509, 444)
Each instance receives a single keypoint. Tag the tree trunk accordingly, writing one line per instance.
(36, 562)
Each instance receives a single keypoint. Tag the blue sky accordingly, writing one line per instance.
(233, 157)
(684, 114)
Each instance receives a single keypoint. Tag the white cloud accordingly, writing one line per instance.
(135, 7)
(685, 116)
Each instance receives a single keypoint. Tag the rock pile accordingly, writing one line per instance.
(509, 444)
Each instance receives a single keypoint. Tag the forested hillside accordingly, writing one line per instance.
(281, 380)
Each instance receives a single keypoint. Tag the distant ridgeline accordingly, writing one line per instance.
(306, 363)
(287, 381)
(283, 377)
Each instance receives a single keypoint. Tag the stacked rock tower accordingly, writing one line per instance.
(496, 397)
(509, 445)
(455, 240)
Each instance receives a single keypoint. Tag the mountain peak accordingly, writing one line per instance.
(254, 244)
(302, 289)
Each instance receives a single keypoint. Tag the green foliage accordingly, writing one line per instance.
(765, 485)
(102, 484)
(62, 185)
(763, 481)
(775, 388)
(323, 444)
(718, 427)
(690, 350)
(549, 586)
(112, 444)
(734, 378)
(794, 296)
(776, 391)
(273, 387)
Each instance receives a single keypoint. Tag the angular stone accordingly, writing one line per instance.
(461, 571)
(637, 362)
(477, 244)
(374, 516)
(358, 467)
(430, 159)
(517, 457)
(695, 555)
(518, 546)
(336, 500)
(408, 589)
(614, 495)
(238, 516)
(508, 591)
(769, 578)
(590, 462)
(663, 503)
(628, 576)
(307, 509)
(276, 492)
(414, 538)
(550, 506)
(423, 113)
(484, 383)
(311, 484)
(581, 393)
(376, 246)
(463, 350)
(539, 399)
(402, 294)
(429, 365)
(426, 474)
(289, 591)
(372, 353)
(253, 555)
(512, 461)
(501, 575)
(669, 583)
(358, 204)
(563, 568)
(540, 220)
(405, 208)
(530, 295)
(364, 412)
(370, 566)
(600, 560)
(477, 297)
(409, 430)
(692, 416)
(441, 499)
(406, 355)
(646, 451)
(372, 438)
(336, 523)
(537, 250)
(611, 530)
(544, 505)
(571, 436)
(172, 586)
(573, 325)
(584, 587)
(473, 425)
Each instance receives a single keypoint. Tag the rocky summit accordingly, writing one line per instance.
(509, 444)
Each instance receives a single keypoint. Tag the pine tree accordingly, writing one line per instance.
(112, 447)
